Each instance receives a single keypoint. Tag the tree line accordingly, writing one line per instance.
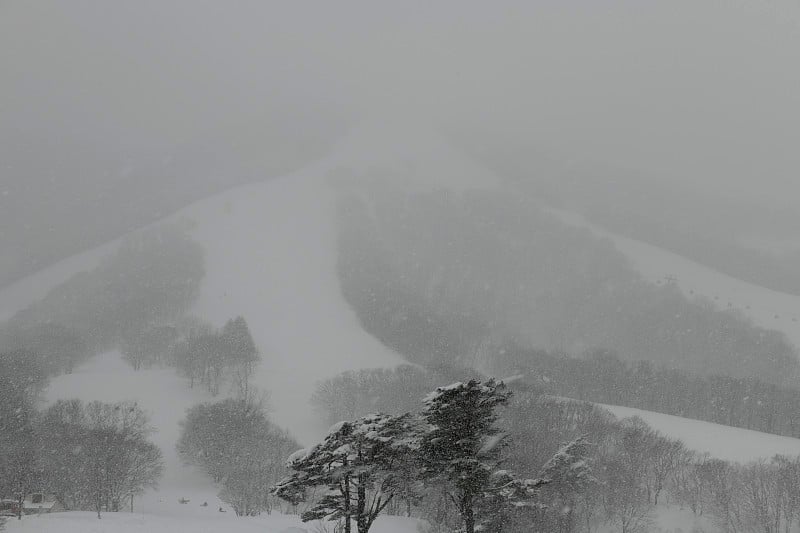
(603, 377)
(631, 468)
(128, 302)
(153, 277)
(203, 354)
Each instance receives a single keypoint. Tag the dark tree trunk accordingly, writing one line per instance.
(467, 513)
(346, 503)
(361, 505)
(469, 521)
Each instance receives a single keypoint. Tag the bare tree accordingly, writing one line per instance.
(724, 498)
(114, 461)
(667, 457)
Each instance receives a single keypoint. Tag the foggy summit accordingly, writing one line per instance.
(400, 267)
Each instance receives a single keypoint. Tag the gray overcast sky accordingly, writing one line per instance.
(98, 99)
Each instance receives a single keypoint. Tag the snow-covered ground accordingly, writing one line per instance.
(189, 520)
(767, 308)
(723, 442)
(671, 519)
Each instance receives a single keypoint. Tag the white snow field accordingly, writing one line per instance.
(767, 308)
(199, 520)
(722, 442)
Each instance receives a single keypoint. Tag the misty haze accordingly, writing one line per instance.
(400, 267)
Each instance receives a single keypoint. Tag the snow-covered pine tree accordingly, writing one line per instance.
(463, 449)
(358, 464)
(242, 354)
(568, 467)
(569, 476)
(241, 345)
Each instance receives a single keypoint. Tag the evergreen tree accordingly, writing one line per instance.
(569, 479)
(360, 465)
(242, 347)
(241, 353)
(462, 449)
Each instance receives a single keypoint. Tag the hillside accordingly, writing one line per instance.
(24, 292)
(270, 252)
(767, 308)
(270, 255)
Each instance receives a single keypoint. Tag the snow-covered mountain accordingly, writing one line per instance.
(271, 256)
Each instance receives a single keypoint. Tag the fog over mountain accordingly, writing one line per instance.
(124, 112)
(433, 267)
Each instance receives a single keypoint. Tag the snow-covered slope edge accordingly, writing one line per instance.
(723, 442)
(767, 308)
(24, 292)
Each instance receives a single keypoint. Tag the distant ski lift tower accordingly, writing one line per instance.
(672, 280)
